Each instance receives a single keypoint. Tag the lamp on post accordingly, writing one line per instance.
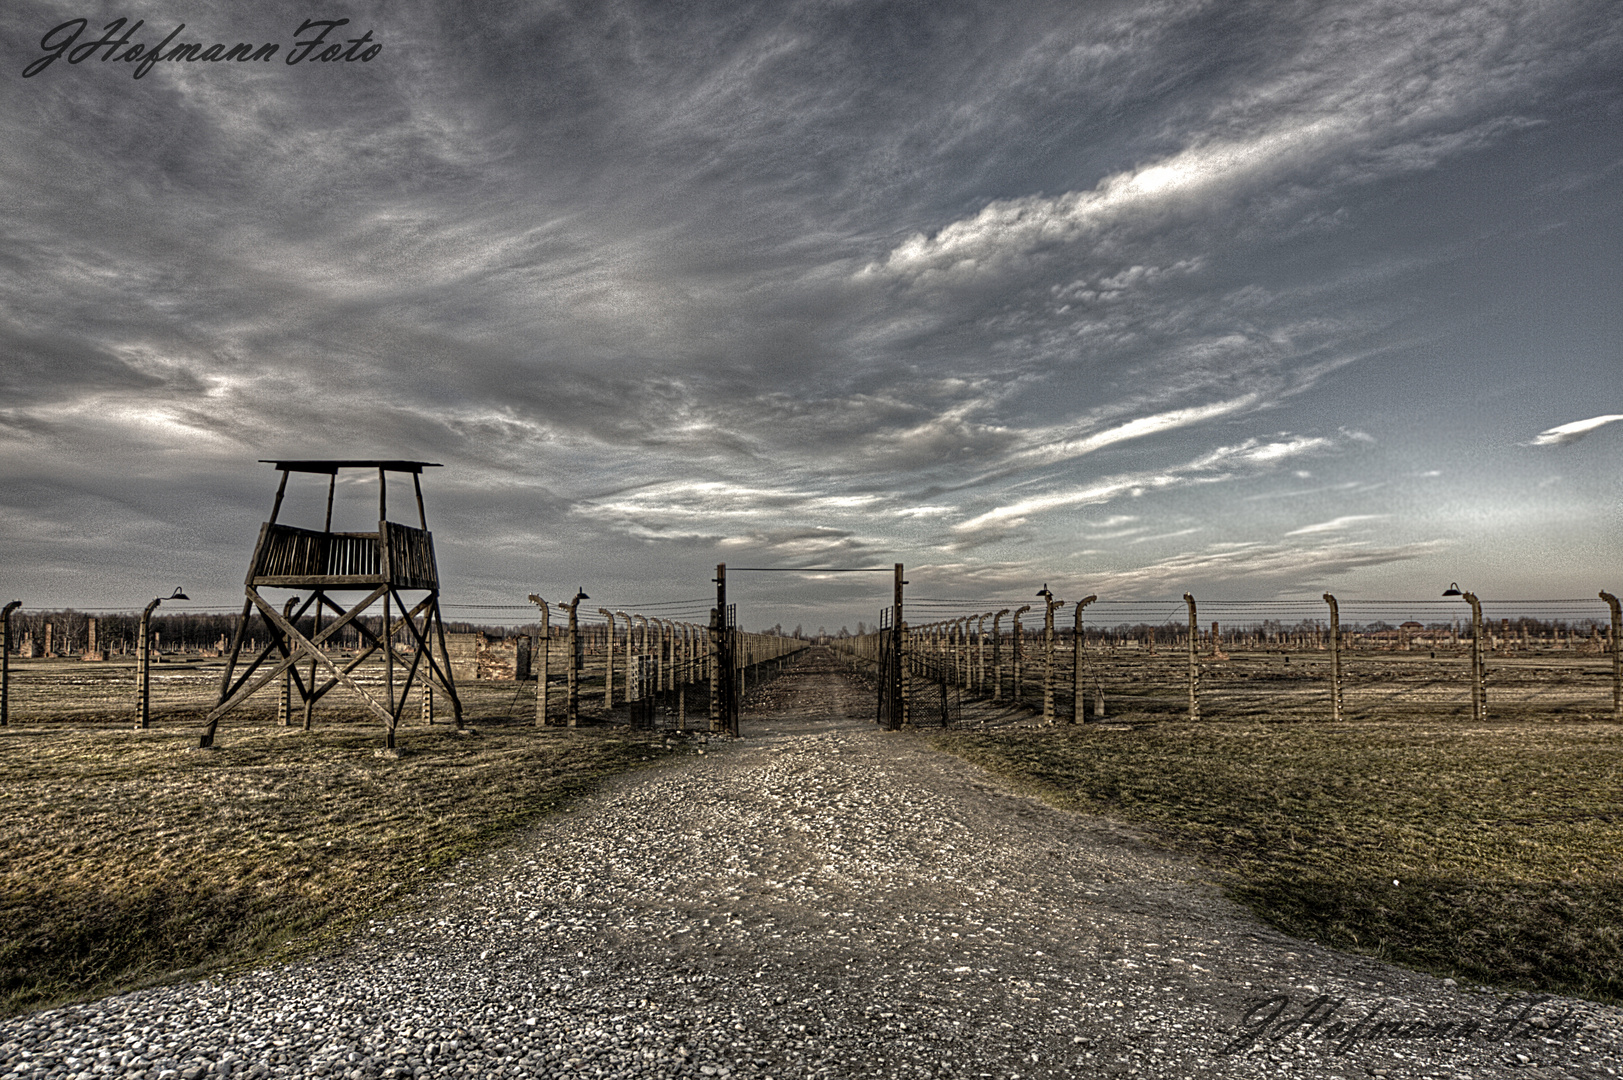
(143, 658)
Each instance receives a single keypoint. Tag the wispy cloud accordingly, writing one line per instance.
(1336, 524)
(1565, 434)
(1256, 562)
(1051, 449)
(1251, 454)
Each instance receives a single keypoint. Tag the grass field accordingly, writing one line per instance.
(1489, 853)
(128, 856)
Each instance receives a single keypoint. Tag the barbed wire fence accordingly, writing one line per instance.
(647, 663)
(1067, 661)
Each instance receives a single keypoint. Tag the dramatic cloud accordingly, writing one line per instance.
(996, 291)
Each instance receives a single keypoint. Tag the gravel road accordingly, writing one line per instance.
(821, 899)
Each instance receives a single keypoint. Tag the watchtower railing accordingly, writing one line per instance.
(410, 557)
(301, 558)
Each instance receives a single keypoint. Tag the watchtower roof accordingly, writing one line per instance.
(332, 466)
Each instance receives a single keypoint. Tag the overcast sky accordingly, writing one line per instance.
(1251, 300)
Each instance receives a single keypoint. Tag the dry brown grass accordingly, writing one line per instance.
(130, 857)
(1489, 852)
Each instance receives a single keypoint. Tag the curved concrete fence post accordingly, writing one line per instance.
(1479, 673)
(963, 651)
(657, 650)
(1019, 653)
(577, 657)
(608, 659)
(641, 676)
(1335, 657)
(980, 652)
(284, 703)
(997, 654)
(625, 666)
(1194, 659)
(1617, 653)
(5, 661)
(1050, 605)
(143, 660)
(1078, 713)
(667, 655)
(546, 653)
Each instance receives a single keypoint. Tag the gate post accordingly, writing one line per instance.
(1194, 660)
(905, 673)
(1078, 713)
(1335, 657)
(898, 656)
(1617, 653)
(5, 661)
(721, 675)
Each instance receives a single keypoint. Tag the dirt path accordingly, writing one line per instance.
(825, 899)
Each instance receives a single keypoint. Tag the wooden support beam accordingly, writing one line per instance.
(276, 507)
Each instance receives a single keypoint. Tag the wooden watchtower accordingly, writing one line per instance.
(381, 565)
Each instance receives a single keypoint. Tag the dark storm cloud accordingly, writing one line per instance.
(816, 282)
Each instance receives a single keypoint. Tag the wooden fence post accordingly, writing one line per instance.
(1335, 657)
(1194, 659)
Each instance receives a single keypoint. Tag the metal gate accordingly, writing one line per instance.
(935, 702)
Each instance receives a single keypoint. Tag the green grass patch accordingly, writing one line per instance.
(1489, 853)
(127, 857)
